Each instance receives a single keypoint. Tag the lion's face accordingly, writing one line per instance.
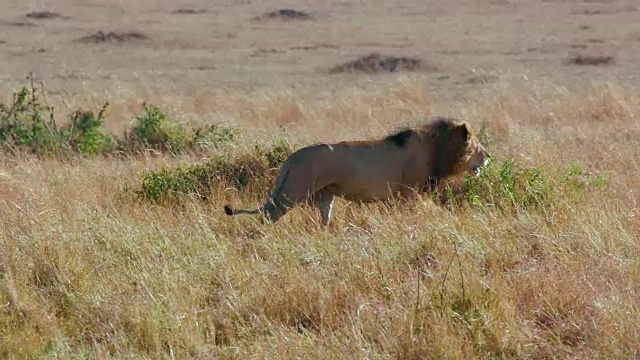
(475, 155)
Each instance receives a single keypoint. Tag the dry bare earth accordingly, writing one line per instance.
(87, 270)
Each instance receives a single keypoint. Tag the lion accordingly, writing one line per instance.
(406, 162)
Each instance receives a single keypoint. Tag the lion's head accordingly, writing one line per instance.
(456, 149)
(475, 156)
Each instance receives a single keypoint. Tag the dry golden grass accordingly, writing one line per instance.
(87, 270)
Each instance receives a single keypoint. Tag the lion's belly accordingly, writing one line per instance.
(364, 192)
(367, 187)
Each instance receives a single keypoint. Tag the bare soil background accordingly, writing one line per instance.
(195, 45)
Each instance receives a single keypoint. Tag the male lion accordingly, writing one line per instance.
(401, 163)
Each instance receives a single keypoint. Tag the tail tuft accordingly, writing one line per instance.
(228, 210)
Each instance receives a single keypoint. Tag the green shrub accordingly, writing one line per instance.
(85, 134)
(214, 136)
(28, 124)
(249, 170)
(277, 154)
(163, 184)
(152, 130)
(513, 186)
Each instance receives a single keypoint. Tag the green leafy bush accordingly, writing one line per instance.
(163, 184)
(250, 170)
(277, 154)
(513, 186)
(85, 134)
(152, 130)
(29, 125)
(214, 136)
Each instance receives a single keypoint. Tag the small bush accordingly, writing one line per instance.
(512, 186)
(189, 11)
(591, 59)
(43, 15)
(376, 63)
(29, 125)
(195, 180)
(286, 14)
(214, 136)
(277, 154)
(152, 130)
(85, 134)
(114, 37)
(250, 170)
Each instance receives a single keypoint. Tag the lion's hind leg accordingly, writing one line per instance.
(324, 201)
(277, 208)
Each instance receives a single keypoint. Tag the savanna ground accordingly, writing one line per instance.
(88, 269)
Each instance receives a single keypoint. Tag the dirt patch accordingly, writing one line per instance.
(593, 59)
(481, 79)
(40, 15)
(21, 23)
(205, 67)
(314, 47)
(605, 11)
(376, 63)
(264, 52)
(285, 14)
(187, 11)
(589, 12)
(114, 37)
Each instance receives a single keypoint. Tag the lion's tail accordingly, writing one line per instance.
(231, 211)
(284, 173)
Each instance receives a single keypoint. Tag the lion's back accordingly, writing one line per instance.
(356, 170)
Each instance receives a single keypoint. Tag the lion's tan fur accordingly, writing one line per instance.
(407, 161)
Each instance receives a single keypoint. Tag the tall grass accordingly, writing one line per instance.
(537, 258)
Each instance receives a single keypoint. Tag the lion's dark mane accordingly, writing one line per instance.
(438, 134)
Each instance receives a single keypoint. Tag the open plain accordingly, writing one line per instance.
(537, 261)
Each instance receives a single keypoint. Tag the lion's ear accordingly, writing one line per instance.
(464, 130)
(469, 133)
